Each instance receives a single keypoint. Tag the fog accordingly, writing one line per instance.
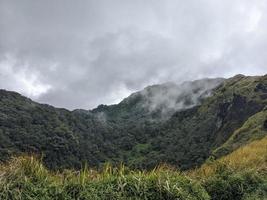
(170, 97)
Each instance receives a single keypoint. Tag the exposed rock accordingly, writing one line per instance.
(265, 124)
(260, 87)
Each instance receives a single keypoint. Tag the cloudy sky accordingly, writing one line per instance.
(78, 54)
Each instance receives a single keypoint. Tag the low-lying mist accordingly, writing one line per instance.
(159, 102)
(171, 97)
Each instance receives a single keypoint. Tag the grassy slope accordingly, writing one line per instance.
(252, 129)
(251, 156)
(240, 175)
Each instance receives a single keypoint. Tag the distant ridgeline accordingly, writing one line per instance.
(181, 125)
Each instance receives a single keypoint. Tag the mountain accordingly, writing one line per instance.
(182, 125)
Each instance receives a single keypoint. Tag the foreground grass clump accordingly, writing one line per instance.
(26, 178)
(225, 183)
(239, 175)
(228, 184)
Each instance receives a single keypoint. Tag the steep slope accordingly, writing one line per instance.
(177, 124)
(26, 126)
(252, 156)
(254, 128)
(189, 136)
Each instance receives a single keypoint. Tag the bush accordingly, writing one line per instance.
(227, 184)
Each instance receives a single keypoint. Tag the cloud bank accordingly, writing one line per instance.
(78, 54)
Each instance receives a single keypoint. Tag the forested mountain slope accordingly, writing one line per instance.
(178, 124)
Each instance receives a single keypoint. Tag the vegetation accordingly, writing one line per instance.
(239, 175)
(26, 178)
(218, 147)
(131, 133)
(251, 156)
(227, 184)
(254, 128)
(227, 179)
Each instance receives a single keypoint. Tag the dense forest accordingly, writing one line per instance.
(201, 140)
(181, 125)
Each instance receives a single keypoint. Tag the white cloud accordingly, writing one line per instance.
(78, 54)
(21, 80)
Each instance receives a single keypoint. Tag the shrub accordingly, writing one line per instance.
(227, 184)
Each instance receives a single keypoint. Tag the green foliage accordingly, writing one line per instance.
(131, 133)
(228, 184)
(26, 178)
(239, 175)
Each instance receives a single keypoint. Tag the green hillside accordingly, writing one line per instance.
(199, 142)
(182, 125)
(189, 136)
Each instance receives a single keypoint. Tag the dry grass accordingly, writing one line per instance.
(251, 156)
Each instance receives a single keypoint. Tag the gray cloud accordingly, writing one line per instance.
(78, 54)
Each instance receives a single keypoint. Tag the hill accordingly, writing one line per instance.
(181, 125)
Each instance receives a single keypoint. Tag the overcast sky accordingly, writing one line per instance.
(81, 53)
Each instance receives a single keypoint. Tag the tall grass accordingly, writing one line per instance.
(239, 176)
(27, 178)
(252, 156)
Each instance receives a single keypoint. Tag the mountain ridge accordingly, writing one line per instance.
(130, 132)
